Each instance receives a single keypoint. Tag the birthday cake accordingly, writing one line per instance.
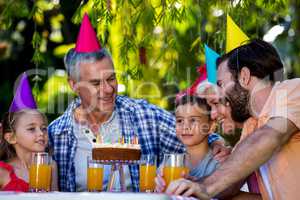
(116, 151)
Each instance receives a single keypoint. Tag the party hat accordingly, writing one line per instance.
(23, 98)
(193, 88)
(235, 37)
(87, 41)
(211, 66)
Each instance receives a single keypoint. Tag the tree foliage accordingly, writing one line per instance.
(156, 44)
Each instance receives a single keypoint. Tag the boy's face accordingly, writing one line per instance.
(192, 124)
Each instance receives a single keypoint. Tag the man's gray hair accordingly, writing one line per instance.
(73, 59)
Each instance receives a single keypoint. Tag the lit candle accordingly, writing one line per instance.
(101, 138)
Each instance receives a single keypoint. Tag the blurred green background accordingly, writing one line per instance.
(156, 45)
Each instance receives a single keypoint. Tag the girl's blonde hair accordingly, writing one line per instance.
(9, 121)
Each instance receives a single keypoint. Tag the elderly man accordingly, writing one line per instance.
(270, 143)
(99, 110)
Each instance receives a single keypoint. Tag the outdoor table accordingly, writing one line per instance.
(88, 196)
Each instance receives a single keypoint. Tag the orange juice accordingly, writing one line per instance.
(40, 177)
(94, 179)
(172, 173)
(147, 176)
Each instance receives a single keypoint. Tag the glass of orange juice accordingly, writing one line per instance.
(174, 167)
(147, 173)
(94, 175)
(40, 172)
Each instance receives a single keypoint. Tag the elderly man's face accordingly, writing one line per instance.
(97, 87)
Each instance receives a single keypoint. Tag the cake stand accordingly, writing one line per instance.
(117, 170)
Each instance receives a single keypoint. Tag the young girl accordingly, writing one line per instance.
(23, 133)
(193, 125)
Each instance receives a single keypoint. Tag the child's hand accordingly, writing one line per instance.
(160, 182)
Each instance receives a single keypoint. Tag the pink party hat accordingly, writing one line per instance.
(87, 41)
(23, 98)
(193, 88)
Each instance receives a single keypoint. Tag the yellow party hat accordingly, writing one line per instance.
(235, 37)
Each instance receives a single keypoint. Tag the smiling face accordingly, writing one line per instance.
(30, 132)
(217, 99)
(221, 112)
(192, 124)
(97, 87)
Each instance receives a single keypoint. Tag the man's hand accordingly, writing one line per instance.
(220, 152)
(245, 158)
(187, 188)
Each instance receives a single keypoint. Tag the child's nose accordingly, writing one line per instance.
(186, 126)
(41, 132)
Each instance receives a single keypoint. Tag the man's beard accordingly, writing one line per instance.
(238, 98)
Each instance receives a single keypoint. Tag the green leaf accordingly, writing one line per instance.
(38, 58)
(195, 43)
(77, 16)
(36, 40)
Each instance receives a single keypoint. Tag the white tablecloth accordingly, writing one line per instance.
(87, 196)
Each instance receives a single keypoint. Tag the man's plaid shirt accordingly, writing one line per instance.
(154, 127)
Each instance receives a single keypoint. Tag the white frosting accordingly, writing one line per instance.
(116, 145)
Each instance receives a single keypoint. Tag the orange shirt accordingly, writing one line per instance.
(279, 178)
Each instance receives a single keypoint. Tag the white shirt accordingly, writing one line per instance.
(85, 137)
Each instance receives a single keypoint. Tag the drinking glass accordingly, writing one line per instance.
(174, 167)
(94, 175)
(40, 172)
(147, 173)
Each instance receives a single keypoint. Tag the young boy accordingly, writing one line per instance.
(193, 125)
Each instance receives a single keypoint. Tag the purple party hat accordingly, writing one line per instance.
(23, 98)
